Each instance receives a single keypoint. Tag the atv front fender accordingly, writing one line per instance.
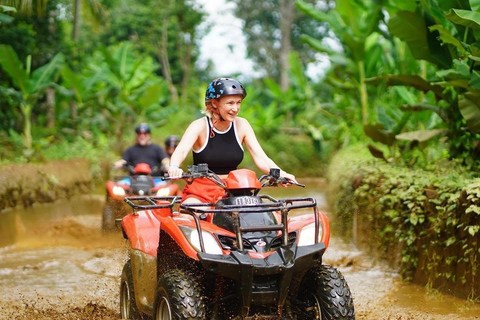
(142, 230)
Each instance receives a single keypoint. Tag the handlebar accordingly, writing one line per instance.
(130, 169)
(201, 171)
(198, 171)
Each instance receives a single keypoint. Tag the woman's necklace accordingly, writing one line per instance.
(214, 122)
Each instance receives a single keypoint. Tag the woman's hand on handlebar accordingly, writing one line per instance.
(289, 177)
(174, 171)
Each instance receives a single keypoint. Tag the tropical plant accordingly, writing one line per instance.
(167, 31)
(5, 18)
(28, 87)
(119, 87)
(447, 35)
(356, 25)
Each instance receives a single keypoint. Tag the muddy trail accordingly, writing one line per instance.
(55, 263)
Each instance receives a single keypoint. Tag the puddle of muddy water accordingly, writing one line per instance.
(57, 264)
(19, 223)
(410, 296)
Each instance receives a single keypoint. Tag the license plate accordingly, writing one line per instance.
(246, 201)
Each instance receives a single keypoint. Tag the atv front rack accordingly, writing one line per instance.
(152, 202)
(284, 206)
(199, 211)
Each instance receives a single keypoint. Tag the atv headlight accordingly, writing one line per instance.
(307, 235)
(163, 192)
(211, 245)
(118, 191)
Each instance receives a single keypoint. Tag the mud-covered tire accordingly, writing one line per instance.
(128, 306)
(108, 218)
(324, 294)
(178, 297)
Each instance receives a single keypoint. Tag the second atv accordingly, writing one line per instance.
(248, 256)
(140, 181)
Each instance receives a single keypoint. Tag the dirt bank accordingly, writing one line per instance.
(26, 184)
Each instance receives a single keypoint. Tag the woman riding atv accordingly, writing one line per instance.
(218, 140)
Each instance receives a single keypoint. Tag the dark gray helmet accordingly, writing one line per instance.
(224, 87)
(172, 141)
(143, 128)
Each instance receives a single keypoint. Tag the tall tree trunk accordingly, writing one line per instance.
(186, 67)
(286, 22)
(73, 110)
(76, 20)
(362, 90)
(163, 57)
(50, 104)
(26, 110)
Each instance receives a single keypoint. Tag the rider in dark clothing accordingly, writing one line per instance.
(171, 143)
(151, 154)
(144, 151)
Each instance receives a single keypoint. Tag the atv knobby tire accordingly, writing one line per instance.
(178, 297)
(325, 295)
(108, 218)
(128, 306)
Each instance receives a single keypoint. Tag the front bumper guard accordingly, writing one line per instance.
(279, 268)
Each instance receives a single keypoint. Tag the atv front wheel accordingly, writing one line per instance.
(324, 294)
(178, 297)
(128, 306)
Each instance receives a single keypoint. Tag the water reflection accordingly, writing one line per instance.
(20, 222)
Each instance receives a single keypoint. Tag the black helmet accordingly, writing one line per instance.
(224, 87)
(142, 128)
(172, 141)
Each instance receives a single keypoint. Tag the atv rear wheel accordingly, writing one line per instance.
(108, 218)
(324, 294)
(128, 306)
(178, 297)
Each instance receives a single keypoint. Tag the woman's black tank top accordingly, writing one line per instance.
(222, 153)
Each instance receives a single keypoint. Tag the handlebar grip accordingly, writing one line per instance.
(183, 176)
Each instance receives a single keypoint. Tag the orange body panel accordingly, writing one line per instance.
(242, 179)
(143, 231)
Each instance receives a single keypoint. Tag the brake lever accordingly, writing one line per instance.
(286, 181)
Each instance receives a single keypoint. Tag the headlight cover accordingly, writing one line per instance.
(307, 235)
(211, 244)
(118, 191)
(163, 192)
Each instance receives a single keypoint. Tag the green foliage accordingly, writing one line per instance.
(5, 18)
(147, 24)
(444, 40)
(118, 86)
(36, 30)
(28, 86)
(430, 56)
(262, 24)
(355, 24)
(296, 111)
(426, 221)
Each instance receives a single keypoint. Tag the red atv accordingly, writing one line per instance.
(139, 182)
(246, 256)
